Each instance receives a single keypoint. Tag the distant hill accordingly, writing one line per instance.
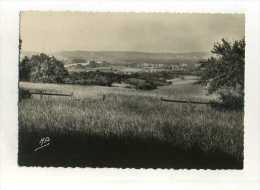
(125, 57)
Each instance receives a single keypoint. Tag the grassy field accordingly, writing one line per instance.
(181, 89)
(129, 129)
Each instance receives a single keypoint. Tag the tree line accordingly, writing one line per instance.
(222, 73)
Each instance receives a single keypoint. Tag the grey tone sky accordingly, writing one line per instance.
(153, 32)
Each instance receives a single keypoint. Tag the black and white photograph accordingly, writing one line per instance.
(131, 90)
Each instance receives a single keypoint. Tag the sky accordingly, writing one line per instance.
(142, 32)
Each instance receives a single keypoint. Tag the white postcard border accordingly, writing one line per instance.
(14, 177)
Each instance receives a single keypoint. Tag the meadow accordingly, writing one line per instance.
(129, 128)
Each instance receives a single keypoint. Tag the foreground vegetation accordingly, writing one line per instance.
(129, 131)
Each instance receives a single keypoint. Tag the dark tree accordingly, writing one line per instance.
(42, 68)
(46, 69)
(224, 72)
(24, 69)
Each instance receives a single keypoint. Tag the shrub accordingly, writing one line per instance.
(225, 71)
(231, 100)
(42, 68)
(24, 69)
(141, 84)
(92, 78)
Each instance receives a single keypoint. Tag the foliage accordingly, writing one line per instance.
(25, 69)
(141, 84)
(42, 68)
(142, 81)
(93, 78)
(225, 70)
(160, 76)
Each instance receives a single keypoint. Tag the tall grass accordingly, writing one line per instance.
(129, 131)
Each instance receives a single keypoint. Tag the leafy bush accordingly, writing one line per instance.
(225, 71)
(161, 76)
(24, 69)
(42, 68)
(93, 78)
(141, 84)
(231, 100)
